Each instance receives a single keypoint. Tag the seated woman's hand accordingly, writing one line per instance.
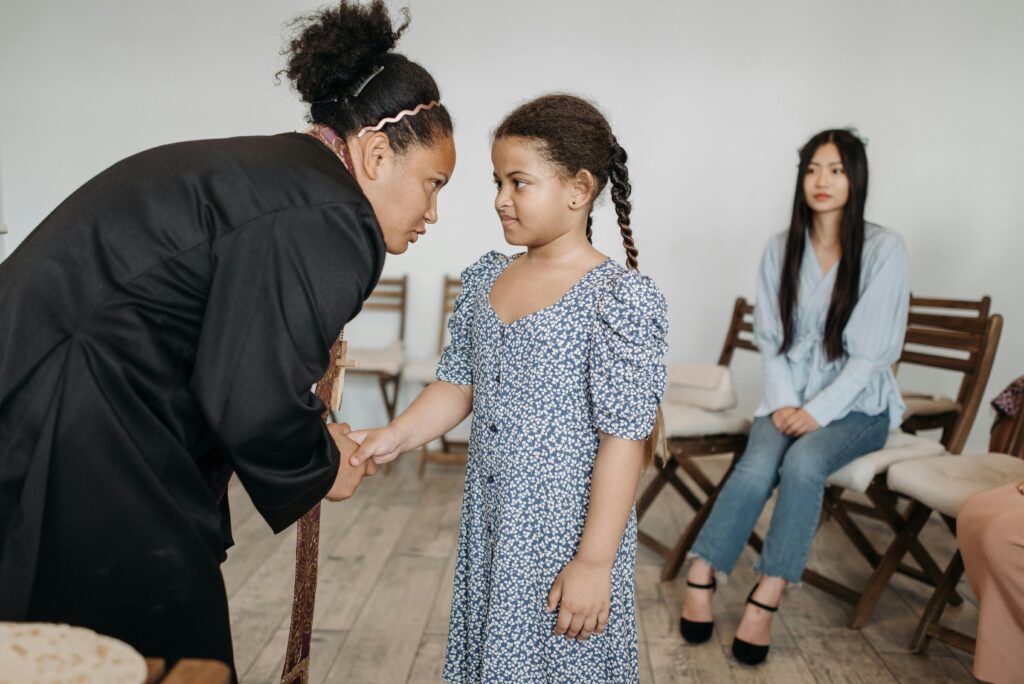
(800, 422)
(349, 476)
(781, 416)
(582, 594)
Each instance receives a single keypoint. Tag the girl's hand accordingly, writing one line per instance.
(582, 594)
(781, 416)
(381, 444)
(800, 422)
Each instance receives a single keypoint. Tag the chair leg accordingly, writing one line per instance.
(889, 563)
(654, 488)
(423, 460)
(390, 398)
(885, 502)
(937, 604)
(696, 474)
(676, 558)
(838, 511)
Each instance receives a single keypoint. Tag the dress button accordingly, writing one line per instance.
(497, 378)
(490, 479)
(494, 428)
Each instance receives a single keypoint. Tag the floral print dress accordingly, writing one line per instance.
(544, 386)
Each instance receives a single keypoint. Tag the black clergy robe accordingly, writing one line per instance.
(176, 308)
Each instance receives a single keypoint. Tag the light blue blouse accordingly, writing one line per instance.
(862, 379)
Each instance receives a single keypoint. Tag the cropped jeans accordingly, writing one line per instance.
(799, 467)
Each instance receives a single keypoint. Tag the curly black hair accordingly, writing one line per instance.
(333, 51)
(574, 135)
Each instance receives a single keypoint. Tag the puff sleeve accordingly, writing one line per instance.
(456, 364)
(627, 375)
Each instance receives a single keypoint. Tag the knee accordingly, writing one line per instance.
(754, 475)
(802, 467)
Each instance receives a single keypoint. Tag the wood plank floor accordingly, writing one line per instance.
(386, 567)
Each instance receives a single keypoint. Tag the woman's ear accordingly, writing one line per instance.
(582, 189)
(376, 154)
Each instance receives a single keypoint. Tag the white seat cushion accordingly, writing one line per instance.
(690, 421)
(387, 360)
(944, 483)
(706, 386)
(858, 474)
(926, 404)
(422, 371)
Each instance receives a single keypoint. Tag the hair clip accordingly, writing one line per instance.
(366, 80)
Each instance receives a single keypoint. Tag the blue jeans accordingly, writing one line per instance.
(799, 466)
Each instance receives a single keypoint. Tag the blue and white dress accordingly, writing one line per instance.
(543, 387)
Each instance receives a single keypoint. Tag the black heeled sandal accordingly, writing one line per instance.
(698, 632)
(745, 652)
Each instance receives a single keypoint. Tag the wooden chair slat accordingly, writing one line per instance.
(371, 305)
(936, 361)
(964, 323)
(980, 305)
(946, 339)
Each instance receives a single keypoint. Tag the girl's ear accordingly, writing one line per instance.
(582, 188)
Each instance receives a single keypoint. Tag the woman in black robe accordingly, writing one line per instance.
(167, 322)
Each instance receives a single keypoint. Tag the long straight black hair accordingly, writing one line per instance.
(851, 240)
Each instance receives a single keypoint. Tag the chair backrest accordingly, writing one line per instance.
(390, 295)
(449, 293)
(959, 336)
(741, 331)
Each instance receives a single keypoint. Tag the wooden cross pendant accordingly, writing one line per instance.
(341, 365)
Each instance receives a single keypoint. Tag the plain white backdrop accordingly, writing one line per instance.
(711, 100)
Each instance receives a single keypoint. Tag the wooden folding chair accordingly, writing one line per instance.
(928, 316)
(385, 362)
(931, 412)
(964, 344)
(423, 372)
(683, 452)
(943, 484)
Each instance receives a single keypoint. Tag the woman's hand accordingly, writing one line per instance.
(349, 476)
(582, 594)
(800, 422)
(781, 416)
(1020, 486)
(380, 444)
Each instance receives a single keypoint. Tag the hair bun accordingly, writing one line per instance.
(333, 50)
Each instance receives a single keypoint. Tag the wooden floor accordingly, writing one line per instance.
(387, 561)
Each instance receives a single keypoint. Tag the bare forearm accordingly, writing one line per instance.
(438, 409)
(612, 493)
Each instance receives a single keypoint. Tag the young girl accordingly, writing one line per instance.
(558, 352)
(831, 315)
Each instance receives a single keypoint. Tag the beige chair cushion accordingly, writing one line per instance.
(690, 421)
(944, 483)
(705, 386)
(422, 371)
(926, 404)
(858, 474)
(387, 360)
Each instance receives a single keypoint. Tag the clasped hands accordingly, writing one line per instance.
(349, 476)
(794, 422)
(376, 447)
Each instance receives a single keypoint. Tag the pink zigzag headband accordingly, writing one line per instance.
(398, 117)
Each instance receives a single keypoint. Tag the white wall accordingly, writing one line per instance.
(710, 99)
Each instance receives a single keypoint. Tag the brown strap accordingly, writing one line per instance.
(307, 552)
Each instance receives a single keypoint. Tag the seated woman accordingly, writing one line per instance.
(990, 532)
(831, 315)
